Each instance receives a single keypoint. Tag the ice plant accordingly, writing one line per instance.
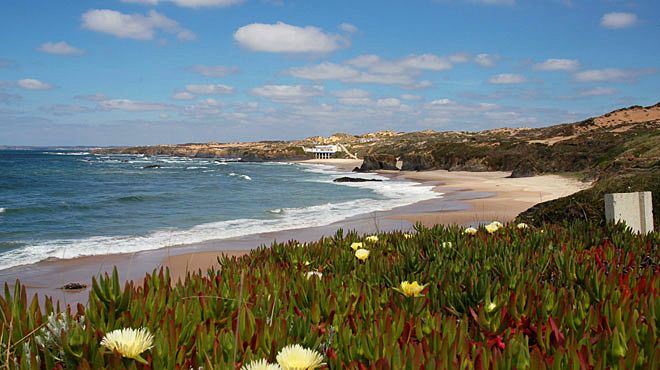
(362, 254)
(355, 246)
(470, 231)
(296, 357)
(129, 342)
(371, 238)
(522, 225)
(497, 223)
(261, 365)
(408, 236)
(411, 289)
(446, 245)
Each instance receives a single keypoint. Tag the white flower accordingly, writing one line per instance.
(261, 365)
(129, 342)
(497, 223)
(296, 357)
(491, 228)
(446, 245)
(355, 246)
(371, 238)
(470, 231)
(522, 225)
(313, 273)
(408, 236)
(362, 254)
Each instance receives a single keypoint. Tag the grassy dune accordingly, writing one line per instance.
(572, 296)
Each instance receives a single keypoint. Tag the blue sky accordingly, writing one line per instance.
(128, 72)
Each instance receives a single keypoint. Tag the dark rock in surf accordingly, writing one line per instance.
(353, 179)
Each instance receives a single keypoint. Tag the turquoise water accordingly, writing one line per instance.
(65, 204)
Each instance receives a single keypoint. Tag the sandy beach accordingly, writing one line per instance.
(469, 198)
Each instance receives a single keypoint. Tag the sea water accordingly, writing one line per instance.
(65, 204)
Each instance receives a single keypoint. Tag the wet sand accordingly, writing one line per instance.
(469, 198)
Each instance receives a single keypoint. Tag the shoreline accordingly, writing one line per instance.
(469, 198)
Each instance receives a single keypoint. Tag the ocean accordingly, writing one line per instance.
(65, 204)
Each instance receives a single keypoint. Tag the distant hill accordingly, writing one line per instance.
(620, 150)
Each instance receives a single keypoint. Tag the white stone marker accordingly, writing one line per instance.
(634, 209)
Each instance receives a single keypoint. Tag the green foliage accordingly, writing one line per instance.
(577, 296)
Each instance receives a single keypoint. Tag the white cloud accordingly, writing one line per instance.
(203, 109)
(349, 28)
(210, 89)
(324, 71)
(352, 97)
(558, 65)
(183, 95)
(92, 97)
(618, 20)
(598, 91)
(214, 71)
(189, 3)
(411, 63)
(143, 2)
(285, 38)
(485, 60)
(388, 103)
(32, 84)
(428, 62)
(441, 102)
(411, 97)
(507, 78)
(131, 105)
(206, 3)
(373, 69)
(133, 26)
(66, 109)
(59, 48)
(608, 74)
(287, 93)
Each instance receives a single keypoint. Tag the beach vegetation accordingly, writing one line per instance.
(575, 296)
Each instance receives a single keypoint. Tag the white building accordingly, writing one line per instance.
(322, 151)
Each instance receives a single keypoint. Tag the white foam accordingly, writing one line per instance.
(67, 153)
(244, 177)
(2, 210)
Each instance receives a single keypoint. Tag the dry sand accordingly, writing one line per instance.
(509, 196)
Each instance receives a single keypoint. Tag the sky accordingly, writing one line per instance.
(137, 72)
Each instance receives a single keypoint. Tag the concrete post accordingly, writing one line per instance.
(634, 209)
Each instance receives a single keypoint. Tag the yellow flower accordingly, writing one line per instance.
(307, 263)
(491, 306)
(261, 365)
(408, 236)
(362, 254)
(411, 289)
(314, 273)
(446, 245)
(371, 238)
(470, 231)
(129, 342)
(355, 246)
(491, 228)
(296, 357)
(522, 225)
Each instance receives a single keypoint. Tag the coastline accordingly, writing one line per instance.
(468, 199)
